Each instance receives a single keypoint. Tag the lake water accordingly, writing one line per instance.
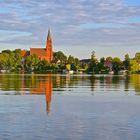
(69, 107)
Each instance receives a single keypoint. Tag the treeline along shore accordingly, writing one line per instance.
(13, 61)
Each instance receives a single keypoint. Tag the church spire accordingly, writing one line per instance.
(49, 51)
(49, 34)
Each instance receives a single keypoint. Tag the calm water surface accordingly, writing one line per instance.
(69, 107)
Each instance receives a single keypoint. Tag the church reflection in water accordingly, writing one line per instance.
(48, 93)
(42, 87)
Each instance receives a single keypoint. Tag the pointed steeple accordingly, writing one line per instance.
(49, 51)
(49, 34)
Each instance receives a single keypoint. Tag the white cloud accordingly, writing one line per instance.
(65, 18)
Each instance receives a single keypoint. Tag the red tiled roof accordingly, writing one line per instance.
(23, 53)
(38, 51)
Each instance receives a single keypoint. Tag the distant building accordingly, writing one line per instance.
(85, 61)
(44, 53)
(108, 63)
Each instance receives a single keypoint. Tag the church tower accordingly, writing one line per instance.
(49, 52)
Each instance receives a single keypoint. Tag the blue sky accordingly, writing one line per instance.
(109, 27)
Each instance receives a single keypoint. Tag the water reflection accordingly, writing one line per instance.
(89, 117)
(68, 85)
(48, 95)
(135, 82)
(61, 84)
(43, 87)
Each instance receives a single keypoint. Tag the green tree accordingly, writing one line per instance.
(74, 62)
(117, 65)
(31, 62)
(11, 61)
(93, 64)
(137, 57)
(42, 66)
(109, 58)
(70, 59)
(101, 67)
(6, 51)
(59, 56)
(126, 62)
(102, 60)
(134, 66)
(18, 65)
(135, 63)
(4, 57)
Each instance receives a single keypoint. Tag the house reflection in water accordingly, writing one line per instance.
(44, 86)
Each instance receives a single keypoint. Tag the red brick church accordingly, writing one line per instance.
(44, 53)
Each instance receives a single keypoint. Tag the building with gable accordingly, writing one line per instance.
(44, 53)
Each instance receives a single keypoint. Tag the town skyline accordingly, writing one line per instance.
(110, 28)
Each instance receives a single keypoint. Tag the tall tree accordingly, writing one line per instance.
(93, 63)
(126, 62)
(117, 64)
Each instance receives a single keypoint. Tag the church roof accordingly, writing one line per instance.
(38, 51)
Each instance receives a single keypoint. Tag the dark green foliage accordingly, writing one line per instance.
(92, 67)
(126, 62)
(6, 51)
(59, 56)
(12, 61)
(116, 65)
